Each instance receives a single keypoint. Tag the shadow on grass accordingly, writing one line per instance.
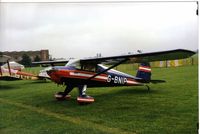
(132, 91)
(38, 82)
(102, 97)
(138, 91)
(107, 97)
(8, 87)
(125, 93)
(9, 78)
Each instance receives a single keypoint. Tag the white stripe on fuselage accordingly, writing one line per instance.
(88, 75)
(132, 82)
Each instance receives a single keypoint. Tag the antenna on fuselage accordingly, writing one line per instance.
(139, 51)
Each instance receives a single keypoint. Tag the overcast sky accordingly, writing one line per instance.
(85, 29)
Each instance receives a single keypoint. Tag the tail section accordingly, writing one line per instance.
(144, 72)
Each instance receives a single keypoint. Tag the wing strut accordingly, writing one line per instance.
(124, 60)
(9, 67)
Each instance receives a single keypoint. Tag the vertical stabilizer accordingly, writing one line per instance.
(144, 72)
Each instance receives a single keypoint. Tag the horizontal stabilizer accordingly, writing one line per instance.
(157, 81)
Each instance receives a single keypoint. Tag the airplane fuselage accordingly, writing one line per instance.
(71, 75)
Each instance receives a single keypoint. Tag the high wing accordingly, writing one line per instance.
(139, 58)
(135, 58)
(144, 57)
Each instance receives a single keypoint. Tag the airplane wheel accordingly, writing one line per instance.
(68, 97)
(85, 100)
(60, 96)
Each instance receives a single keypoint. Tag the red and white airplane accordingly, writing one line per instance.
(83, 73)
(9, 74)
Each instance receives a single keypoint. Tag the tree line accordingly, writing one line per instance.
(26, 60)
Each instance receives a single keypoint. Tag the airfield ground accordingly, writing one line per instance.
(28, 107)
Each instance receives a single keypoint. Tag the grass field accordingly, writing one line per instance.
(28, 107)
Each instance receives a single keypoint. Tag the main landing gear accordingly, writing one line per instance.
(82, 99)
(60, 96)
(64, 95)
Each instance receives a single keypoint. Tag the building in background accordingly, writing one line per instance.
(17, 55)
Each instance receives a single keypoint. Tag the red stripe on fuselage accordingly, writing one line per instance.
(56, 75)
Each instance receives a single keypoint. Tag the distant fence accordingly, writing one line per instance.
(175, 63)
(170, 63)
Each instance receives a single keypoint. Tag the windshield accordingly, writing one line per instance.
(74, 63)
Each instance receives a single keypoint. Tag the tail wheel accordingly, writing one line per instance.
(148, 88)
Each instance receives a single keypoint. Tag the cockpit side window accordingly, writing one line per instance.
(75, 63)
(78, 66)
(88, 67)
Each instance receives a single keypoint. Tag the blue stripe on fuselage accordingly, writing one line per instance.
(115, 72)
(64, 67)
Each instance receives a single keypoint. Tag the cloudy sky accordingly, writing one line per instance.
(85, 29)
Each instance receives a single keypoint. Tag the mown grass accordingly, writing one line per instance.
(29, 106)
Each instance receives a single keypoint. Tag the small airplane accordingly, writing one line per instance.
(9, 74)
(43, 74)
(83, 73)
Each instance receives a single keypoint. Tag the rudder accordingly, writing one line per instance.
(144, 72)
